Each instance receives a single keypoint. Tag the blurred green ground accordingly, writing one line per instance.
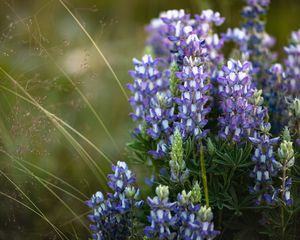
(28, 26)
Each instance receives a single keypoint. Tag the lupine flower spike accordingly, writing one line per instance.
(112, 217)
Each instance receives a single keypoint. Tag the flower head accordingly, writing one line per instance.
(266, 166)
(292, 63)
(112, 217)
(241, 112)
(161, 218)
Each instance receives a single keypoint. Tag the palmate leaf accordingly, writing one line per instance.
(234, 155)
(138, 149)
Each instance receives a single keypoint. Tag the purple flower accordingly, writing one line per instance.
(253, 40)
(204, 29)
(287, 198)
(193, 101)
(152, 102)
(194, 222)
(274, 93)
(258, 2)
(161, 219)
(157, 39)
(147, 80)
(161, 115)
(238, 36)
(241, 112)
(266, 166)
(209, 17)
(121, 178)
(160, 121)
(112, 217)
(292, 63)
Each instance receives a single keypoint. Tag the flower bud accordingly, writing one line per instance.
(196, 193)
(130, 192)
(205, 214)
(265, 127)
(185, 197)
(174, 79)
(286, 153)
(257, 98)
(177, 148)
(295, 107)
(162, 192)
(286, 134)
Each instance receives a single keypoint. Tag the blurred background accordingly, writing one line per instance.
(63, 115)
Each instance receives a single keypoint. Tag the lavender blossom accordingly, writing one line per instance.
(160, 121)
(266, 166)
(292, 63)
(181, 28)
(253, 40)
(194, 222)
(178, 28)
(204, 28)
(238, 36)
(160, 29)
(240, 112)
(152, 102)
(147, 80)
(161, 217)
(259, 42)
(112, 217)
(275, 87)
(157, 40)
(192, 104)
(194, 91)
(161, 115)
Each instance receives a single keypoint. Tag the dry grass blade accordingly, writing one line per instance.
(54, 186)
(97, 48)
(54, 194)
(56, 178)
(37, 211)
(56, 121)
(89, 105)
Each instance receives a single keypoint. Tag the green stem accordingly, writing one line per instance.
(282, 207)
(203, 174)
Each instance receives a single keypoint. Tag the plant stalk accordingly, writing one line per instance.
(203, 175)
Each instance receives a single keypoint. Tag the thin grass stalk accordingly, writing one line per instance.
(96, 46)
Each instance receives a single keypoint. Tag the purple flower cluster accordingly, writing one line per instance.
(158, 44)
(204, 27)
(292, 63)
(255, 43)
(194, 221)
(152, 102)
(162, 218)
(147, 80)
(286, 193)
(112, 217)
(173, 28)
(169, 23)
(266, 166)
(194, 96)
(183, 219)
(241, 113)
(238, 36)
